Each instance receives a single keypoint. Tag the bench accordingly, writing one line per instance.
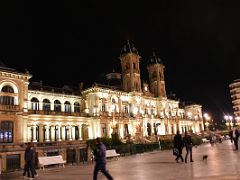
(112, 153)
(50, 160)
(205, 140)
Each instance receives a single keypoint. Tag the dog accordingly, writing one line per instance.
(205, 157)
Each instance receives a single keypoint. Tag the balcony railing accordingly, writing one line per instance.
(9, 107)
(41, 112)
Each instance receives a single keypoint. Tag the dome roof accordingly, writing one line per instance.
(128, 48)
(114, 79)
(154, 59)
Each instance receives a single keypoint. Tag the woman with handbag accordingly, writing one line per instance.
(178, 144)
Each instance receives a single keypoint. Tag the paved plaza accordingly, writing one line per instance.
(222, 164)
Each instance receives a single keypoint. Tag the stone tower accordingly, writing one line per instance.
(156, 76)
(130, 68)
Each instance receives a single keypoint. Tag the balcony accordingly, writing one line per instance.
(104, 113)
(9, 107)
(41, 112)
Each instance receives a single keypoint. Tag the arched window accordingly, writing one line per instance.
(34, 104)
(57, 106)
(7, 100)
(76, 107)
(67, 106)
(46, 105)
(6, 132)
(7, 89)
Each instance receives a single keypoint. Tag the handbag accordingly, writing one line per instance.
(175, 152)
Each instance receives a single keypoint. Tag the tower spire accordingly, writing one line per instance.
(156, 76)
(130, 68)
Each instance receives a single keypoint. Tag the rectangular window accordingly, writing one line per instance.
(6, 132)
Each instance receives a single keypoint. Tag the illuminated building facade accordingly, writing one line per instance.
(125, 105)
(235, 95)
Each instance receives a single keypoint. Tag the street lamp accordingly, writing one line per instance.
(113, 122)
(229, 122)
(237, 120)
(159, 143)
(207, 119)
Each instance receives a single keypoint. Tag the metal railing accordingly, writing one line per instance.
(9, 107)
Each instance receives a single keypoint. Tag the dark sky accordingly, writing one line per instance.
(72, 42)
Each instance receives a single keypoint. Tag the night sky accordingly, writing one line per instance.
(69, 42)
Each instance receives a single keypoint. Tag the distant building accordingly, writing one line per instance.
(235, 95)
(124, 105)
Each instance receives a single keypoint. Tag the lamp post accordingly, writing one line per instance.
(207, 119)
(229, 122)
(159, 144)
(113, 122)
(237, 120)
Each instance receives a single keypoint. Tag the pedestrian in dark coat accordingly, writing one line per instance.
(178, 143)
(188, 143)
(26, 169)
(234, 135)
(100, 158)
(29, 161)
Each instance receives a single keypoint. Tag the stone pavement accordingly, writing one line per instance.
(222, 164)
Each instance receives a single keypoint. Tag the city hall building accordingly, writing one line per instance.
(126, 105)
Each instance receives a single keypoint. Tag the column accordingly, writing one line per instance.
(40, 133)
(145, 133)
(130, 129)
(52, 106)
(63, 133)
(72, 107)
(80, 131)
(47, 133)
(29, 136)
(62, 107)
(121, 127)
(70, 132)
(34, 133)
(90, 135)
(52, 133)
(109, 130)
(152, 128)
(73, 133)
(59, 133)
(40, 105)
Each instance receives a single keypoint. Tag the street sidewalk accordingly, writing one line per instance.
(222, 164)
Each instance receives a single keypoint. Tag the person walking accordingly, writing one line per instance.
(100, 160)
(29, 157)
(33, 149)
(178, 143)
(187, 140)
(234, 135)
(26, 169)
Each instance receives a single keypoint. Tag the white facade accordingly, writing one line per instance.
(41, 114)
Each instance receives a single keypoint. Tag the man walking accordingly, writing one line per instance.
(100, 158)
(26, 158)
(178, 143)
(29, 157)
(187, 140)
(234, 135)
